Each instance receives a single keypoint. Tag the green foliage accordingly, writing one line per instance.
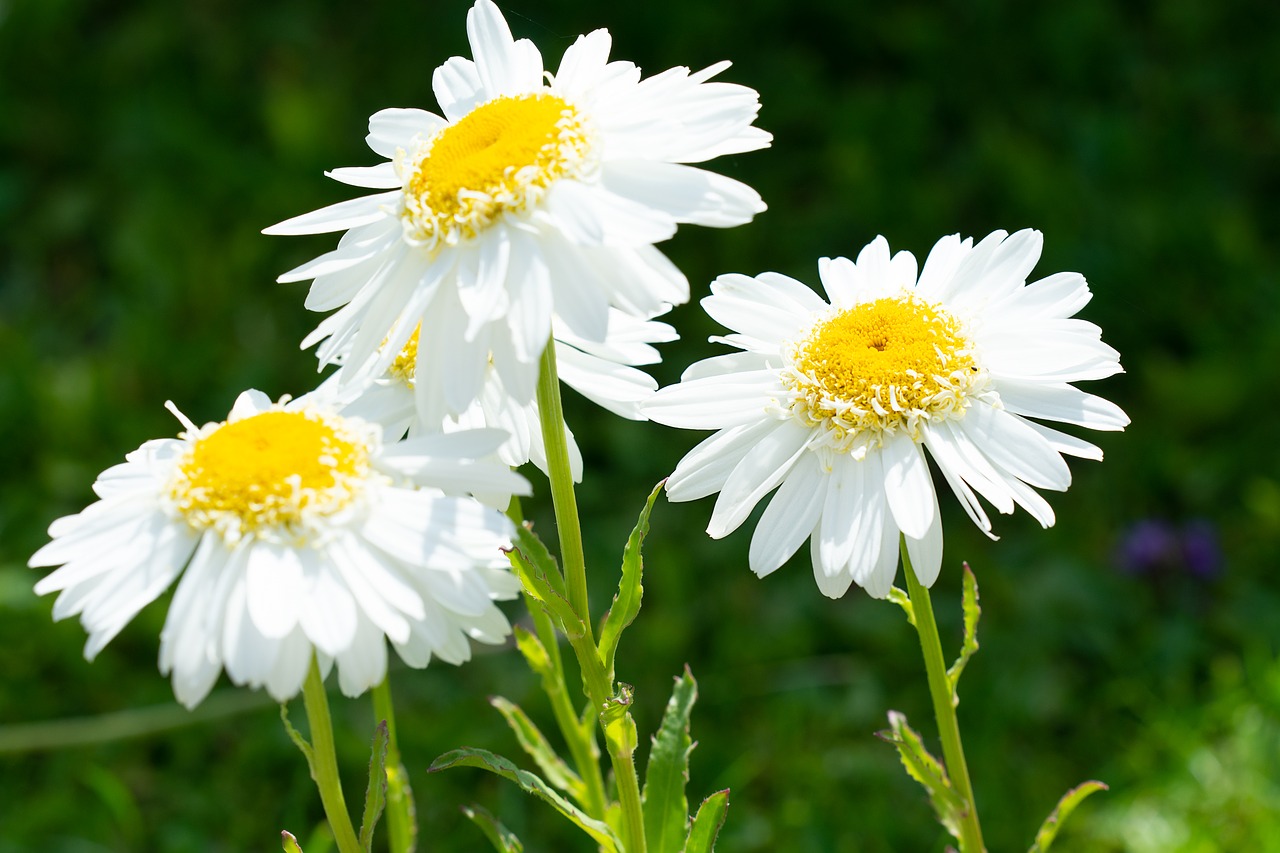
(502, 839)
(666, 807)
(289, 843)
(948, 806)
(706, 823)
(535, 744)
(542, 581)
(969, 605)
(1053, 823)
(530, 784)
(626, 603)
(375, 795)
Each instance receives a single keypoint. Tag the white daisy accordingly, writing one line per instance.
(293, 529)
(833, 402)
(603, 373)
(535, 195)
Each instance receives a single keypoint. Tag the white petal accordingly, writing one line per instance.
(757, 475)
(717, 401)
(380, 177)
(505, 66)
(907, 486)
(457, 88)
(685, 193)
(830, 585)
(275, 580)
(1016, 447)
(1058, 401)
(926, 552)
(329, 617)
(789, 518)
(705, 468)
(396, 129)
(337, 217)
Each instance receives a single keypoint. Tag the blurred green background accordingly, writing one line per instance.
(144, 145)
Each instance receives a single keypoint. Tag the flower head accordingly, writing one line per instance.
(536, 195)
(291, 529)
(833, 402)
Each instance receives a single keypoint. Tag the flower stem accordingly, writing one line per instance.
(568, 528)
(595, 680)
(324, 766)
(402, 824)
(944, 711)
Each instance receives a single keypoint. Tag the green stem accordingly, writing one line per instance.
(402, 823)
(568, 528)
(598, 687)
(324, 765)
(624, 772)
(943, 710)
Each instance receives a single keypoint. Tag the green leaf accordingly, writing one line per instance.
(903, 600)
(971, 613)
(925, 769)
(298, 740)
(666, 808)
(535, 654)
(539, 749)
(502, 838)
(375, 794)
(530, 784)
(626, 604)
(289, 843)
(707, 823)
(542, 580)
(1049, 829)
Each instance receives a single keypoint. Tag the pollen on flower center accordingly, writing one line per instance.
(405, 365)
(499, 157)
(882, 366)
(271, 472)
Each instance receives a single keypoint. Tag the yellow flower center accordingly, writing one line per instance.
(500, 157)
(405, 366)
(879, 367)
(275, 472)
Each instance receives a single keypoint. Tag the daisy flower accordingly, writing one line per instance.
(291, 529)
(536, 195)
(834, 401)
(603, 373)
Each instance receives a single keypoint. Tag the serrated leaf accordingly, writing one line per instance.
(626, 603)
(971, 613)
(903, 600)
(1049, 829)
(530, 784)
(533, 742)
(375, 795)
(706, 824)
(298, 740)
(542, 580)
(289, 843)
(501, 837)
(948, 805)
(666, 807)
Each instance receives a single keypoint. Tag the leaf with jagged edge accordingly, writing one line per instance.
(1049, 829)
(503, 839)
(600, 832)
(971, 613)
(535, 654)
(706, 824)
(948, 805)
(626, 603)
(533, 742)
(375, 795)
(289, 843)
(666, 807)
(541, 578)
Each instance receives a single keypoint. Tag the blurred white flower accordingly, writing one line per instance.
(291, 529)
(833, 402)
(537, 195)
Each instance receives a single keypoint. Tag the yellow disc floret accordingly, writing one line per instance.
(499, 157)
(274, 474)
(879, 367)
(405, 366)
